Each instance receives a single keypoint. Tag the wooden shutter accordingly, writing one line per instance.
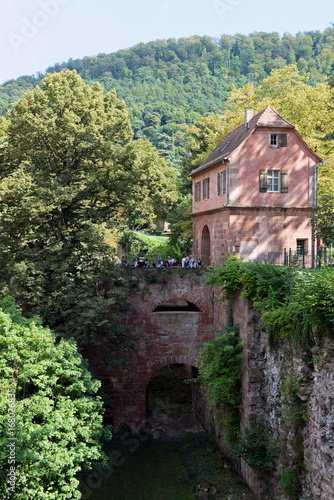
(284, 181)
(282, 140)
(199, 190)
(224, 181)
(263, 181)
(219, 175)
(207, 188)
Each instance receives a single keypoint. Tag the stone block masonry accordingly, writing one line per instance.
(174, 334)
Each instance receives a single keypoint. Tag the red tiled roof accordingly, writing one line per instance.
(268, 117)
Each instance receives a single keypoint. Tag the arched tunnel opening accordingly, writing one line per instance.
(177, 305)
(170, 401)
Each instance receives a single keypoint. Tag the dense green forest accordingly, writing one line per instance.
(169, 84)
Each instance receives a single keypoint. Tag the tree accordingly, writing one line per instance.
(70, 174)
(202, 136)
(78, 139)
(181, 225)
(322, 218)
(51, 418)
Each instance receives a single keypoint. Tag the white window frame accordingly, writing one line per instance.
(272, 176)
(273, 140)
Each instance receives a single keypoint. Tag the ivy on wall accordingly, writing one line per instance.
(220, 369)
(296, 304)
(297, 310)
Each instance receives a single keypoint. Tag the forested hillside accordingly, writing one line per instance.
(168, 84)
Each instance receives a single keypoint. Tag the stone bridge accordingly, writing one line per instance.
(175, 309)
(178, 312)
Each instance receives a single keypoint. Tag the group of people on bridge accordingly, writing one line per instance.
(187, 261)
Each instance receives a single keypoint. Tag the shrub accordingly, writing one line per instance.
(57, 415)
(256, 447)
(289, 482)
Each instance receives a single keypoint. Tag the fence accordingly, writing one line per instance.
(324, 257)
(290, 258)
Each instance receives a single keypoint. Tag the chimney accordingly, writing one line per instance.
(248, 116)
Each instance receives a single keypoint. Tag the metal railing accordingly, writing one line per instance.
(325, 257)
(290, 258)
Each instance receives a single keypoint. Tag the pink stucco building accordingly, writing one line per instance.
(253, 194)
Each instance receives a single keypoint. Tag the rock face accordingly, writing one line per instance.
(294, 396)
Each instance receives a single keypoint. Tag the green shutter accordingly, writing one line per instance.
(284, 181)
(282, 140)
(224, 181)
(218, 182)
(263, 181)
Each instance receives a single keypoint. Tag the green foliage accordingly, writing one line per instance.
(70, 174)
(220, 369)
(322, 218)
(256, 447)
(58, 417)
(295, 304)
(294, 407)
(181, 225)
(289, 482)
(148, 246)
(168, 84)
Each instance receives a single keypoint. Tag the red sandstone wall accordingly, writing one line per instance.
(172, 338)
(252, 232)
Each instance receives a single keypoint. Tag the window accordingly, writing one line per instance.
(221, 182)
(198, 191)
(206, 188)
(301, 247)
(273, 181)
(278, 140)
(273, 140)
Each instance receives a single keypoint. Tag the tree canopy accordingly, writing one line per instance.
(70, 175)
(49, 410)
(168, 84)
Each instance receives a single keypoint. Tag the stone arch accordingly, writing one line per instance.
(205, 246)
(170, 360)
(171, 401)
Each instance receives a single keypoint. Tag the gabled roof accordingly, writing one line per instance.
(268, 118)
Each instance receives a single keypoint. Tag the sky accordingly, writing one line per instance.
(36, 34)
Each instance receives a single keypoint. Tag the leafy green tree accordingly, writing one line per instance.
(202, 136)
(181, 225)
(322, 218)
(70, 174)
(50, 416)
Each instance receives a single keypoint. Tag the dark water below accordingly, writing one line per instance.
(144, 469)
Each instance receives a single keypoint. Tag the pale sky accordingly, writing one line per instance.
(36, 34)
